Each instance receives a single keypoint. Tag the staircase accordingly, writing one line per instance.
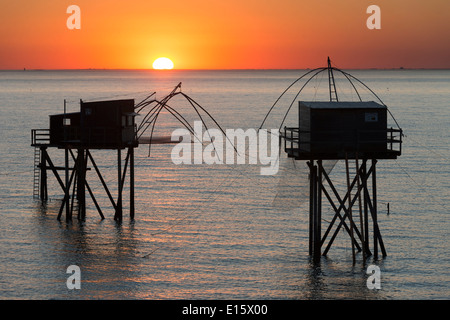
(36, 176)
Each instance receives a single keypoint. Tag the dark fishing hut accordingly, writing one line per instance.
(343, 130)
(98, 125)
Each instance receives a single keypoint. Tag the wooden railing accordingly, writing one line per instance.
(40, 136)
(294, 138)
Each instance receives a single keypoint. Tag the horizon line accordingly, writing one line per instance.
(218, 69)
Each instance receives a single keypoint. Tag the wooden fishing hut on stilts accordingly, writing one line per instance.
(350, 131)
(101, 125)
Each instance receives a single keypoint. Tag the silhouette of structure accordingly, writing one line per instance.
(101, 125)
(342, 130)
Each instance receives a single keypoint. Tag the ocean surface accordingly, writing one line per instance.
(213, 231)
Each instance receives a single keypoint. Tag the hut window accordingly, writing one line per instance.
(371, 117)
(66, 121)
(127, 121)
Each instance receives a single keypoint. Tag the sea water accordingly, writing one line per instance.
(213, 231)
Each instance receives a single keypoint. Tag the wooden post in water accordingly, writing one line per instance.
(118, 214)
(311, 208)
(318, 232)
(366, 210)
(350, 208)
(43, 175)
(361, 222)
(131, 152)
(315, 212)
(374, 211)
(67, 186)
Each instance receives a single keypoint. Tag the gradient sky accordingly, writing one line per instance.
(224, 34)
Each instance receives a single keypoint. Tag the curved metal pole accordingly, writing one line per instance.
(298, 93)
(192, 101)
(276, 101)
(374, 95)
(354, 88)
(138, 105)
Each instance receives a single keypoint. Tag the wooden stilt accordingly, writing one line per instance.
(67, 196)
(374, 211)
(124, 173)
(311, 208)
(360, 210)
(342, 221)
(318, 239)
(131, 152)
(315, 212)
(95, 201)
(101, 179)
(316, 251)
(73, 196)
(81, 178)
(350, 209)
(53, 168)
(377, 234)
(43, 175)
(366, 210)
(118, 213)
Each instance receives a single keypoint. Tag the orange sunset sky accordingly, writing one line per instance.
(224, 34)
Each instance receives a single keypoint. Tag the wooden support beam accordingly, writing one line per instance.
(315, 220)
(43, 175)
(342, 219)
(77, 176)
(52, 167)
(124, 174)
(66, 196)
(57, 168)
(318, 239)
(311, 208)
(95, 201)
(316, 244)
(341, 201)
(81, 178)
(350, 208)
(366, 209)
(66, 191)
(342, 207)
(118, 213)
(131, 152)
(73, 195)
(361, 221)
(101, 179)
(377, 233)
(337, 213)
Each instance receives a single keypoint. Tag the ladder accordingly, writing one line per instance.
(37, 174)
(331, 83)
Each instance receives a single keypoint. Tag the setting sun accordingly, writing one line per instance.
(163, 64)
